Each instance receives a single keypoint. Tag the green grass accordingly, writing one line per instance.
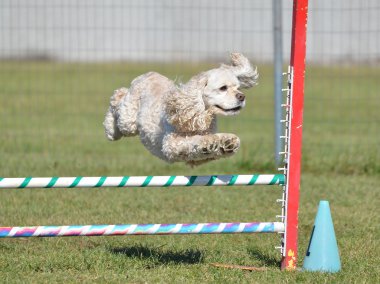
(51, 125)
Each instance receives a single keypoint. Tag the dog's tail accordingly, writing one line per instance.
(110, 122)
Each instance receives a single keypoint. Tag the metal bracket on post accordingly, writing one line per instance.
(285, 152)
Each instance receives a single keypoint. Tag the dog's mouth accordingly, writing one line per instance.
(230, 110)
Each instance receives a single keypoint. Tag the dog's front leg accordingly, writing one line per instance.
(178, 148)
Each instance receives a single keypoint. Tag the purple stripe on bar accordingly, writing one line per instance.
(140, 229)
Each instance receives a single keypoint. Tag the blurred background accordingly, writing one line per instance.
(61, 60)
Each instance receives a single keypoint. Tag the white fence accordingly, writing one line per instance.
(170, 30)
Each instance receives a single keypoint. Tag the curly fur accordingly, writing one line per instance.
(178, 122)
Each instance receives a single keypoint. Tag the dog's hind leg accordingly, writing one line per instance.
(120, 119)
(127, 111)
(112, 131)
(110, 121)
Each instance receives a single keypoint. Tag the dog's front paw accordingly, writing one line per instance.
(210, 148)
(229, 144)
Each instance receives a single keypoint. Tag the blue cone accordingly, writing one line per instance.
(322, 253)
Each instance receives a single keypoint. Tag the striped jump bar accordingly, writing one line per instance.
(141, 181)
(141, 229)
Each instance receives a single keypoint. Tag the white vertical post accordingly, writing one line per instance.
(277, 57)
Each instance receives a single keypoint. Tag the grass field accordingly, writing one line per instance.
(51, 125)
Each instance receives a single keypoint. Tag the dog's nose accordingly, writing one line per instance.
(240, 96)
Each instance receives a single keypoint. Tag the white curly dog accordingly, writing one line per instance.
(178, 122)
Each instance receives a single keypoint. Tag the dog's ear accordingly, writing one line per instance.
(243, 70)
(185, 108)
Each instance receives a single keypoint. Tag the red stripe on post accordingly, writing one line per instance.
(289, 260)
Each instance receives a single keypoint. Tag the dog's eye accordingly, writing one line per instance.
(223, 88)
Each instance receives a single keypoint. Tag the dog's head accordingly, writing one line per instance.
(217, 91)
(222, 86)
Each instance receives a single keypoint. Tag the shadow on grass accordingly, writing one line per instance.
(159, 256)
(266, 260)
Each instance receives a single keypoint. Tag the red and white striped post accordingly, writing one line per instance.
(297, 62)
